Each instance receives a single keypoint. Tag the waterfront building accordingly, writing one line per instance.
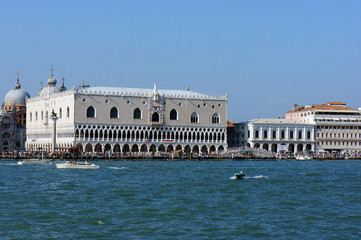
(114, 119)
(7, 132)
(233, 138)
(13, 119)
(338, 127)
(274, 135)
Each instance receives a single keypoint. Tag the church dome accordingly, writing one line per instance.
(51, 88)
(52, 80)
(17, 96)
(48, 90)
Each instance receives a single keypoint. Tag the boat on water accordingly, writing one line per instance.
(34, 161)
(77, 165)
(240, 175)
(302, 157)
(306, 155)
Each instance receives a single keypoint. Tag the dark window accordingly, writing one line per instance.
(194, 118)
(215, 118)
(256, 134)
(137, 114)
(291, 134)
(90, 112)
(265, 134)
(173, 115)
(308, 135)
(155, 117)
(114, 112)
(300, 134)
(274, 135)
(282, 134)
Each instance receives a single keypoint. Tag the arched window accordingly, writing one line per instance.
(60, 113)
(137, 114)
(42, 115)
(90, 112)
(194, 118)
(114, 112)
(173, 115)
(155, 117)
(215, 118)
(31, 117)
(36, 116)
(67, 112)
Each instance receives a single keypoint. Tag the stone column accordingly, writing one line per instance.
(54, 118)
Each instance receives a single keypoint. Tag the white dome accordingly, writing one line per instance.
(48, 90)
(51, 88)
(16, 97)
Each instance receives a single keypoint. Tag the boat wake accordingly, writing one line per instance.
(9, 164)
(260, 176)
(255, 177)
(117, 168)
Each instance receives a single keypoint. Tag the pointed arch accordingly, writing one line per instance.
(107, 147)
(135, 148)
(90, 112)
(170, 148)
(98, 147)
(204, 149)
(89, 148)
(153, 148)
(194, 118)
(114, 113)
(116, 148)
(173, 115)
(137, 114)
(143, 148)
(126, 148)
(155, 117)
(79, 146)
(215, 118)
(161, 148)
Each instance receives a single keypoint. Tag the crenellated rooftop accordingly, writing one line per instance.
(142, 92)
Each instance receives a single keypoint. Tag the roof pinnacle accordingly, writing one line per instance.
(17, 85)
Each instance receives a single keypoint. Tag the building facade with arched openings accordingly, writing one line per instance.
(338, 127)
(276, 135)
(124, 120)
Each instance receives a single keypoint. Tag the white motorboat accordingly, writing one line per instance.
(34, 161)
(77, 165)
(302, 157)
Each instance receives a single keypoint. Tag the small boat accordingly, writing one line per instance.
(302, 157)
(240, 175)
(34, 161)
(77, 165)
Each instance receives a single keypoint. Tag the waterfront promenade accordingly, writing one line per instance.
(233, 153)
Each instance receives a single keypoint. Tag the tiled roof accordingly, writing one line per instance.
(339, 106)
(230, 123)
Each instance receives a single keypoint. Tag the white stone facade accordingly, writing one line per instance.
(276, 135)
(97, 119)
(338, 128)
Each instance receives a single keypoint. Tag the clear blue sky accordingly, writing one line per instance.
(267, 55)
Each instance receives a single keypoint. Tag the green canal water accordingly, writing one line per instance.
(182, 200)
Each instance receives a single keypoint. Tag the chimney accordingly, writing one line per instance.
(295, 106)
